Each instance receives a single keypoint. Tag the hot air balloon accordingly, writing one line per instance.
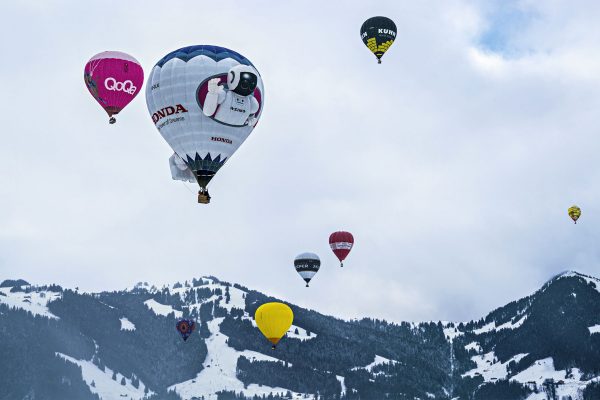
(378, 34)
(185, 327)
(113, 79)
(204, 101)
(274, 320)
(341, 243)
(574, 213)
(307, 265)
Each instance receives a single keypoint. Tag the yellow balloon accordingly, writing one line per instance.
(274, 320)
(574, 213)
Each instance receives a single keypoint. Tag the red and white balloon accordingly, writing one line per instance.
(341, 243)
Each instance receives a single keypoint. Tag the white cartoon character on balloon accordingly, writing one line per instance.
(236, 104)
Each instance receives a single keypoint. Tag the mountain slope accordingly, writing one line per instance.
(59, 343)
(548, 335)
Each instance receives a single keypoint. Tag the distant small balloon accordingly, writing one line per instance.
(185, 327)
(378, 34)
(341, 243)
(574, 213)
(307, 265)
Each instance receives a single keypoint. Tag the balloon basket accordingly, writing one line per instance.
(112, 120)
(203, 198)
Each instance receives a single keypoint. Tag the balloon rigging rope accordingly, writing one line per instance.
(93, 66)
(187, 187)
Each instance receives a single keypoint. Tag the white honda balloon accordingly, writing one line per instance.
(204, 101)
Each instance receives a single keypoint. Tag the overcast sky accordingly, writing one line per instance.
(453, 163)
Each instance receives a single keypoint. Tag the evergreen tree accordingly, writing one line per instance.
(135, 382)
(592, 391)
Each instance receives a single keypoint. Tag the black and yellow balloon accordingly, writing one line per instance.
(574, 213)
(378, 34)
(274, 320)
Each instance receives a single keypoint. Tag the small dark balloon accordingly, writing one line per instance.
(378, 34)
(185, 327)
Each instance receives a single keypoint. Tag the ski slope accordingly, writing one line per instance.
(36, 302)
(126, 325)
(301, 335)
(489, 367)
(378, 361)
(103, 384)
(162, 309)
(219, 373)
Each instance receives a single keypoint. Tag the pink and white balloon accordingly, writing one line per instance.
(113, 79)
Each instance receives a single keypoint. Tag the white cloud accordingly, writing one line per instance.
(453, 166)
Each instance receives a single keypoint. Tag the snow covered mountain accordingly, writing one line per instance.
(548, 343)
(58, 343)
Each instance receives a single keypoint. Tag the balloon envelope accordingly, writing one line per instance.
(341, 243)
(185, 327)
(574, 213)
(113, 79)
(204, 101)
(307, 265)
(274, 320)
(378, 34)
